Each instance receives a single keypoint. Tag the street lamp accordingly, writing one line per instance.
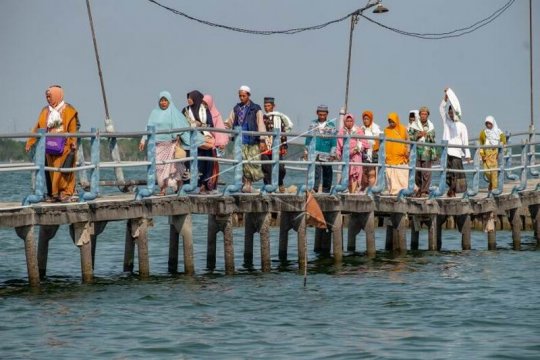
(379, 9)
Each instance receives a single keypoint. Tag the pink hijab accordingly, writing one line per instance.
(222, 139)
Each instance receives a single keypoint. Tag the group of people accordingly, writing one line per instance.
(202, 114)
(420, 129)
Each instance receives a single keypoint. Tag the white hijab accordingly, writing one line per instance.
(54, 120)
(493, 135)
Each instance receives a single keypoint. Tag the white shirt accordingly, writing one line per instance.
(455, 132)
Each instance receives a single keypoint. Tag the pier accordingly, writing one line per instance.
(513, 205)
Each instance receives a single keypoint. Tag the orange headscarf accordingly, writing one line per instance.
(368, 113)
(396, 153)
(57, 95)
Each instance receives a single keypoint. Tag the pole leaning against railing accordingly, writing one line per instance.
(109, 126)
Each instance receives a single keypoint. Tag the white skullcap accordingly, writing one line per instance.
(245, 88)
(490, 119)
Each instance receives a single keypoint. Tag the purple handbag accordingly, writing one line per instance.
(55, 145)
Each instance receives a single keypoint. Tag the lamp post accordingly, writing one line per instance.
(531, 65)
(379, 9)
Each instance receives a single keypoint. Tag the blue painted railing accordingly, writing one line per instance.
(507, 170)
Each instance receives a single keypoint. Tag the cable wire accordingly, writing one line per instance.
(426, 36)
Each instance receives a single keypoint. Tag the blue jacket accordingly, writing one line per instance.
(249, 123)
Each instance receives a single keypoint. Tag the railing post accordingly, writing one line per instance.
(473, 190)
(412, 173)
(150, 169)
(523, 184)
(193, 164)
(238, 166)
(310, 173)
(39, 160)
(346, 159)
(276, 142)
(500, 173)
(508, 159)
(381, 168)
(95, 158)
(439, 191)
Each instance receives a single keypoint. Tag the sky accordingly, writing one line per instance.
(145, 49)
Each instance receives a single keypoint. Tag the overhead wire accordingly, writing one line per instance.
(426, 36)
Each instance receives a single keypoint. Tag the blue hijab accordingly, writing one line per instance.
(170, 118)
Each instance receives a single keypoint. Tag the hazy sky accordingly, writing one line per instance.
(145, 49)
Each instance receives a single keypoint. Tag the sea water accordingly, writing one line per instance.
(476, 304)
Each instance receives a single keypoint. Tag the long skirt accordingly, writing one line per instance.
(208, 170)
(396, 180)
(423, 178)
(491, 162)
(252, 172)
(62, 184)
(457, 182)
(169, 174)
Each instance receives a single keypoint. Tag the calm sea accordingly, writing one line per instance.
(451, 305)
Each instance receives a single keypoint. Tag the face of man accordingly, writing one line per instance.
(367, 121)
(322, 115)
(243, 96)
(163, 103)
(451, 113)
(268, 107)
(424, 116)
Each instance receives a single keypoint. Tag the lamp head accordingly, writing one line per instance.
(380, 9)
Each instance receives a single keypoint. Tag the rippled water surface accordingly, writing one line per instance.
(448, 305)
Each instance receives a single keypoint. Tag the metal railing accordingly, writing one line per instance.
(518, 168)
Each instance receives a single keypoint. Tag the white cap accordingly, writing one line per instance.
(245, 88)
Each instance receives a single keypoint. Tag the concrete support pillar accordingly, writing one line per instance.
(353, 230)
(26, 233)
(464, 225)
(139, 232)
(489, 228)
(415, 226)
(46, 233)
(129, 248)
(335, 224)
(223, 223)
(81, 234)
(515, 221)
(369, 228)
(181, 225)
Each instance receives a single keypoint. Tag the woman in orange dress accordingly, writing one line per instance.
(58, 117)
(396, 154)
